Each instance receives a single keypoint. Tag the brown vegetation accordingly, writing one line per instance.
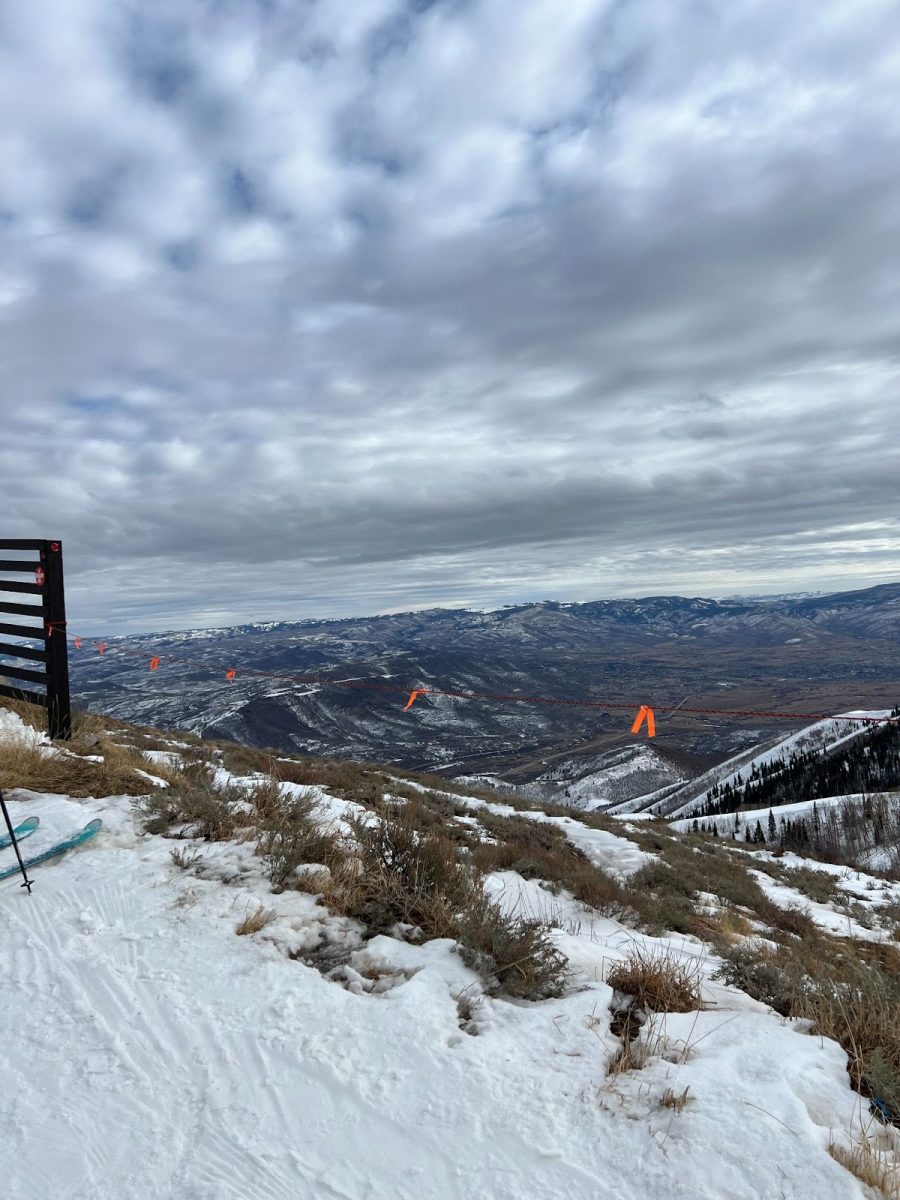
(660, 981)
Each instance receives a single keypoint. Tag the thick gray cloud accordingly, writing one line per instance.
(327, 308)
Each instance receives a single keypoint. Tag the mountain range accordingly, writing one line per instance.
(807, 654)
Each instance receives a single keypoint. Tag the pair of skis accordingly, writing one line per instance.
(27, 828)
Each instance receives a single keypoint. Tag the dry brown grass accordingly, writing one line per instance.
(678, 1102)
(727, 925)
(65, 772)
(657, 981)
(83, 722)
(255, 921)
(877, 1169)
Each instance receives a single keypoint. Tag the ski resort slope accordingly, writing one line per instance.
(824, 737)
(149, 1052)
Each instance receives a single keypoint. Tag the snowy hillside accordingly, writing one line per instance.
(149, 1051)
(629, 773)
(821, 738)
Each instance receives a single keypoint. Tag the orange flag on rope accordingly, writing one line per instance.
(101, 647)
(154, 663)
(78, 643)
(229, 675)
(412, 697)
(645, 713)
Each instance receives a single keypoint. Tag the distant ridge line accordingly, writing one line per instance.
(154, 661)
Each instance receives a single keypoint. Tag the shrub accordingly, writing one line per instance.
(185, 860)
(791, 920)
(767, 975)
(658, 981)
(861, 1011)
(290, 836)
(557, 865)
(818, 885)
(424, 812)
(531, 835)
(197, 805)
(401, 877)
(603, 893)
(512, 954)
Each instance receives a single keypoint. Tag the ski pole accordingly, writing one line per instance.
(12, 833)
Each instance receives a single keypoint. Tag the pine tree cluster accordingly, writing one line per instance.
(847, 832)
(870, 763)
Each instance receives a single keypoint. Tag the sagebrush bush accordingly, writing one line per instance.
(818, 885)
(290, 835)
(862, 1012)
(534, 835)
(197, 805)
(603, 893)
(402, 877)
(766, 974)
(513, 955)
(399, 876)
(659, 980)
(827, 981)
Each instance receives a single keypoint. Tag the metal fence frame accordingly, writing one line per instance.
(52, 662)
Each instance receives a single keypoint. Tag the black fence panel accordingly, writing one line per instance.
(42, 569)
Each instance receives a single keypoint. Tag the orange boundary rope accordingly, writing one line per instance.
(644, 712)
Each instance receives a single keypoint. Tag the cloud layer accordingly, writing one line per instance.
(326, 308)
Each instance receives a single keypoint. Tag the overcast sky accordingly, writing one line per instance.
(349, 306)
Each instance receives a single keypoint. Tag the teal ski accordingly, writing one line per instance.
(83, 835)
(26, 829)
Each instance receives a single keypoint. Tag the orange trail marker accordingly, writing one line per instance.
(154, 663)
(229, 675)
(645, 713)
(412, 697)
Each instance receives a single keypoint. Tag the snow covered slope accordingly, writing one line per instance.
(627, 773)
(821, 737)
(148, 1052)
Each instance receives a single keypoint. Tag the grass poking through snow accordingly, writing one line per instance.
(659, 981)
